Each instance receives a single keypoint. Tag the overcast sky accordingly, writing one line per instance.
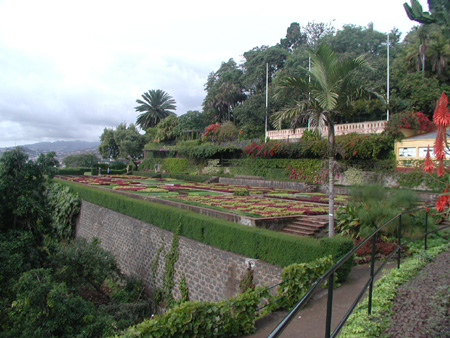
(69, 69)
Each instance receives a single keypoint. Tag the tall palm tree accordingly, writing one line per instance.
(157, 105)
(329, 87)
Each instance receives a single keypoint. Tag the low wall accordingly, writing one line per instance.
(211, 274)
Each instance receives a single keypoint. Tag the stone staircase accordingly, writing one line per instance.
(307, 226)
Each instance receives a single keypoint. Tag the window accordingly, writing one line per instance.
(407, 152)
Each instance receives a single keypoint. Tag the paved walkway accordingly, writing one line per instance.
(310, 322)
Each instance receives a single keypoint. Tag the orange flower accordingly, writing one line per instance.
(442, 201)
(428, 165)
(440, 169)
(441, 116)
(441, 139)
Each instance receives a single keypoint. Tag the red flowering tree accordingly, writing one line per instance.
(408, 120)
(212, 131)
(441, 119)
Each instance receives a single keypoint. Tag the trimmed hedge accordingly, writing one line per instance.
(279, 169)
(272, 247)
(175, 165)
(73, 171)
(185, 177)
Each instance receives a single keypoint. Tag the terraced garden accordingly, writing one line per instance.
(261, 202)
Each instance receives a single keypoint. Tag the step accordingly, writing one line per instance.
(307, 223)
(300, 227)
(298, 232)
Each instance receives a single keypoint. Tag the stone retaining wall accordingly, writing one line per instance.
(211, 274)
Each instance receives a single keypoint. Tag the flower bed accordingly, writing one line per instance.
(309, 197)
(272, 202)
(261, 206)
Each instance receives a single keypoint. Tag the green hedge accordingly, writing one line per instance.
(72, 171)
(272, 247)
(175, 165)
(185, 177)
(112, 169)
(279, 169)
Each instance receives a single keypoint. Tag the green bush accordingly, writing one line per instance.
(272, 247)
(228, 318)
(297, 280)
(209, 150)
(175, 165)
(73, 171)
(148, 164)
(373, 205)
(306, 170)
(185, 177)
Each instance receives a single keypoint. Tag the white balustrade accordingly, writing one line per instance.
(370, 127)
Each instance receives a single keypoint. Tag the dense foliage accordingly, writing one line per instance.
(122, 142)
(50, 285)
(371, 206)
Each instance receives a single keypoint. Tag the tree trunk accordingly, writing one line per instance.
(331, 196)
(331, 145)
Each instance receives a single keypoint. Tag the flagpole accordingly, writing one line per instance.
(387, 85)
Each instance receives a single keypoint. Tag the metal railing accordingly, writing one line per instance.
(329, 275)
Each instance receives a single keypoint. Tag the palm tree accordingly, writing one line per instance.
(329, 87)
(157, 105)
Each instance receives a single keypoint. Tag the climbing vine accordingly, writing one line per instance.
(169, 270)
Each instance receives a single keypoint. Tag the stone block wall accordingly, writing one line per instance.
(211, 274)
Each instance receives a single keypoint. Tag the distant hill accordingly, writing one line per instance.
(61, 148)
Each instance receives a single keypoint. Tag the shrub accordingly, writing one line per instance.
(175, 165)
(407, 120)
(354, 176)
(305, 170)
(227, 132)
(372, 206)
(228, 318)
(297, 280)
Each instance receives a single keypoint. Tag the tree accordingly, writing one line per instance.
(332, 87)
(22, 188)
(439, 14)
(108, 147)
(155, 106)
(124, 142)
(224, 91)
(294, 37)
(191, 124)
(255, 66)
(315, 32)
(80, 160)
(165, 130)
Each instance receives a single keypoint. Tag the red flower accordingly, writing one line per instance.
(441, 139)
(443, 201)
(440, 169)
(441, 115)
(428, 165)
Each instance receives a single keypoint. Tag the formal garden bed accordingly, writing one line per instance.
(254, 202)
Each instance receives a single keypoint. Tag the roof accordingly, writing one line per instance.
(426, 136)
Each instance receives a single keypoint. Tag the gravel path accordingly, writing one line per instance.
(422, 305)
